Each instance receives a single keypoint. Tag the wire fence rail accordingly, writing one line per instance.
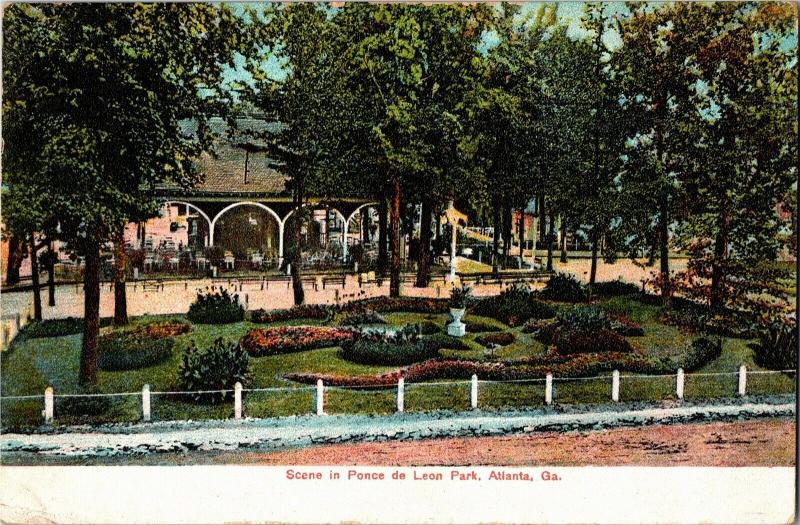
(400, 388)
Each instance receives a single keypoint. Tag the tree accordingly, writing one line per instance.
(744, 153)
(103, 87)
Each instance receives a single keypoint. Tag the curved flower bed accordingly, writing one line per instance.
(580, 365)
(287, 339)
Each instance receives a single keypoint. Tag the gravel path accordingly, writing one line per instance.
(302, 431)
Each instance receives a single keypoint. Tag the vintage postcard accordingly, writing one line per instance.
(399, 262)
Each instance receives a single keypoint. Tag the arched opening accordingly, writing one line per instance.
(248, 232)
(362, 235)
(323, 235)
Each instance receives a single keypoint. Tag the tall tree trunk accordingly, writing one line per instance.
(51, 275)
(423, 270)
(14, 260)
(120, 265)
(593, 272)
(663, 243)
(394, 278)
(551, 235)
(719, 262)
(496, 220)
(383, 236)
(37, 292)
(296, 259)
(563, 258)
(522, 235)
(91, 315)
(506, 234)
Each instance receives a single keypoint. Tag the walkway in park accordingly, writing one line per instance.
(302, 431)
(175, 296)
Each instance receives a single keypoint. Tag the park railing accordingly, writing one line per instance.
(461, 395)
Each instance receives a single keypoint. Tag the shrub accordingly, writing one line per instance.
(459, 297)
(129, 351)
(216, 307)
(476, 325)
(571, 341)
(53, 327)
(776, 347)
(360, 318)
(287, 339)
(513, 306)
(303, 311)
(388, 353)
(566, 288)
(701, 352)
(218, 367)
(429, 328)
(442, 341)
(699, 318)
(500, 339)
(585, 318)
(614, 288)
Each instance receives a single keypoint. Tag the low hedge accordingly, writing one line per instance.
(288, 339)
(614, 288)
(216, 307)
(499, 338)
(429, 328)
(53, 328)
(303, 311)
(474, 326)
(571, 341)
(382, 304)
(776, 347)
(129, 351)
(387, 353)
(443, 341)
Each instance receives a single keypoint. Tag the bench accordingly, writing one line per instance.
(338, 280)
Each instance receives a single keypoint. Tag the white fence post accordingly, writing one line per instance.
(679, 381)
(237, 400)
(742, 380)
(48, 405)
(473, 398)
(146, 403)
(400, 394)
(615, 386)
(320, 397)
(548, 389)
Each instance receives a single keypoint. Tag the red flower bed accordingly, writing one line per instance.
(159, 330)
(288, 339)
(398, 304)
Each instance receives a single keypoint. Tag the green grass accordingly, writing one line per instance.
(32, 364)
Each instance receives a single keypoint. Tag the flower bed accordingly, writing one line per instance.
(387, 353)
(477, 326)
(498, 338)
(304, 311)
(422, 305)
(139, 346)
(362, 318)
(287, 339)
(624, 326)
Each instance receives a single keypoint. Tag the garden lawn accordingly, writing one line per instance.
(31, 364)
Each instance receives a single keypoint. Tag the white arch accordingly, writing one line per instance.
(315, 207)
(250, 203)
(201, 212)
(350, 218)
